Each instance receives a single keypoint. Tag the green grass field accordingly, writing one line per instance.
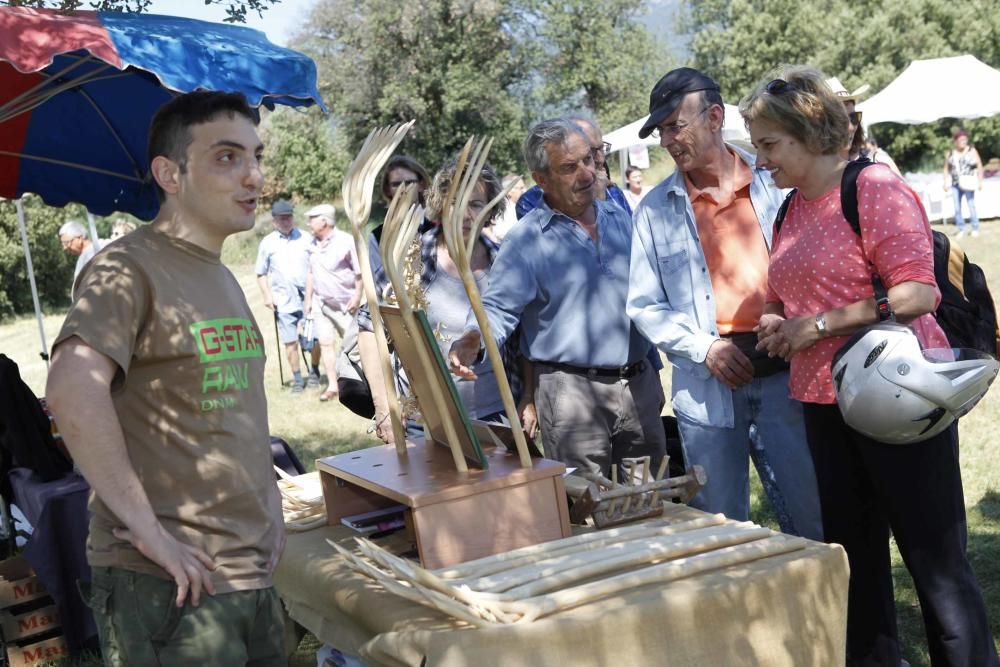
(318, 429)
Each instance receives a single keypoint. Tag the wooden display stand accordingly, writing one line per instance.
(453, 517)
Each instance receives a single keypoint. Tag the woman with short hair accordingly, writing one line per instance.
(820, 291)
(448, 304)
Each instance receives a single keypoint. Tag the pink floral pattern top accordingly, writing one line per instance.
(818, 263)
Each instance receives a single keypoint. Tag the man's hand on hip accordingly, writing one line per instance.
(729, 366)
(188, 565)
(463, 353)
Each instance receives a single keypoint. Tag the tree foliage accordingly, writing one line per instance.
(487, 67)
(304, 157)
(865, 41)
(53, 266)
(236, 10)
(597, 56)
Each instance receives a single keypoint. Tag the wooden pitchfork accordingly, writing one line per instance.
(463, 184)
(398, 231)
(357, 192)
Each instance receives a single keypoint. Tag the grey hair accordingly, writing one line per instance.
(585, 119)
(553, 130)
(72, 229)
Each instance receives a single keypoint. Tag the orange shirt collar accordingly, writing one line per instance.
(742, 177)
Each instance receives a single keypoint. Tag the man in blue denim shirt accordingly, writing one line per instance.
(698, 278)
(562, 274)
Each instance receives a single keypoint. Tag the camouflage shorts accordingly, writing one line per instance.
(139, 624)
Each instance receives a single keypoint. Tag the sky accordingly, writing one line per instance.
(279, 22)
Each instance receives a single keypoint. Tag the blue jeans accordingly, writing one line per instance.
(970, 198)
(768, 424)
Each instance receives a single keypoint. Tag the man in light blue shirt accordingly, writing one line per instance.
(282, 265)
(697, 284)
(562, 274)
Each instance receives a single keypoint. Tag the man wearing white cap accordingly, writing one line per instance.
(333, 286)
(282, 263)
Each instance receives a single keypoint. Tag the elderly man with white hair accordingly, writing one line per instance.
(333, 287)
(73, 237)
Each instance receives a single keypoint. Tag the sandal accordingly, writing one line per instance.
(327, 395)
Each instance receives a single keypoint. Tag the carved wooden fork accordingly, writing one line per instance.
(357, 192)
(463, 184)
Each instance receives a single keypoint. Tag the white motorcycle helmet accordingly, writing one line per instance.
(892, 391)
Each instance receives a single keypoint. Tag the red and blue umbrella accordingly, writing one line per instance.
(78, 92)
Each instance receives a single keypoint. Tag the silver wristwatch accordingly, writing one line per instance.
(821, 324)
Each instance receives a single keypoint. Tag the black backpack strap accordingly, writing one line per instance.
(849, 206)
(782, 211)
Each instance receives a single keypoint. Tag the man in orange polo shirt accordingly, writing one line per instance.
(698, 277)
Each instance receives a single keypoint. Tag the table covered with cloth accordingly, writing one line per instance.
(789, 609)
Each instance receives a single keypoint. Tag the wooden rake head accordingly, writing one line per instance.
(463, 184)
(360, 179)
(398, 230)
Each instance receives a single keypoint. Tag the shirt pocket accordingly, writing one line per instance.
(673, 264)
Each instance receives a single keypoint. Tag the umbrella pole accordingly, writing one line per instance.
(93, 230)
(31, 279)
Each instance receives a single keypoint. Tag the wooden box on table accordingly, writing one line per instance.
(452, 516)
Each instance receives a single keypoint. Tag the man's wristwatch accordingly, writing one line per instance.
(821, 324)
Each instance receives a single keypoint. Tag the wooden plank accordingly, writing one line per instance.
(560, 492)
(491, 522)
(427, 476)
(344, 499)
(434, 415)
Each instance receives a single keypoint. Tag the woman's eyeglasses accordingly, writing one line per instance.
(855, 118)
(405, 181)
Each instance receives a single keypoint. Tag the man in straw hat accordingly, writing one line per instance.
(850, 101)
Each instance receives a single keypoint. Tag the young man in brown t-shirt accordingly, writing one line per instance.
(157, 385)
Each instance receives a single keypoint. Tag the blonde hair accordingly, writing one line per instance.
(442, 181)
(798, 100)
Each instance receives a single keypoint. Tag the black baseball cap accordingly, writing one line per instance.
(670, 90)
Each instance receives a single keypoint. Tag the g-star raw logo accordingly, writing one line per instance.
(221, 343)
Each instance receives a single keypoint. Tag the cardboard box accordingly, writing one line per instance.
(18, 584)
(29, 623)
(38, 653)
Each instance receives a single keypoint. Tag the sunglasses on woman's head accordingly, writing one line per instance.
(779, 87)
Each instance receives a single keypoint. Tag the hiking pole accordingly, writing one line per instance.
(277, 339)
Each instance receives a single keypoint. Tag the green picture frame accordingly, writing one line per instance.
(404, 345)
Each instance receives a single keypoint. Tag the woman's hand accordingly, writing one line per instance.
(791, 337)
(768, 337)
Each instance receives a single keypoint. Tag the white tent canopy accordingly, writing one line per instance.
(956, 87)
(623, 137)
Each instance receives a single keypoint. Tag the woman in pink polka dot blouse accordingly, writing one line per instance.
(819, 293)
